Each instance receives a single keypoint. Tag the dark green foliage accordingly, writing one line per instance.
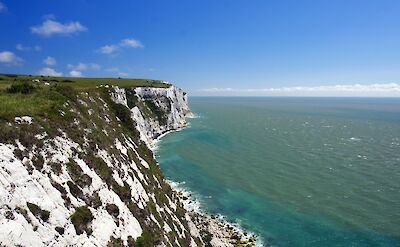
(21, 87)
(38, 212)
(38, 162)
(115, 242)
(45, 215)
(62, 191)
(124, 192)
(81, 219)
(145, 240)
(95, 201)
(124, 114)
(55, 167)
(112, 209)
(67, 80)
(131, 99)
(18, 153)
(100, 167)
(157, 111)
(207, 237)
(77, 174)
(67, 91)
(75, 190)
(180, 212)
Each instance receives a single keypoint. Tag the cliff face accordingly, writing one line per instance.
(84, 174)
(155, 110)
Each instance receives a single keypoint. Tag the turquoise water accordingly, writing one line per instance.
(295, 171)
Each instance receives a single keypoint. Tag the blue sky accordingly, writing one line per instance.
(231, 47)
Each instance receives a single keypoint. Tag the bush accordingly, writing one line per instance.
(38, 212)
(145, 240)
(45, 215)
(75, 190)
(95, 200)
(157, 111)
(22, 87)
(101, 168)
(77, 174)
(115, 242)
(81, 219)
(112, 209)
(38, 162)
(124, 192)
(67, 80)
(67, 91)
(207, 237)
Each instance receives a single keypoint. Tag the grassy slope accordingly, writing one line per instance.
(81, 83)
(46, 99)
(55, 109)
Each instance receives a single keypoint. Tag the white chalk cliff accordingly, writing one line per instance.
(87, 177)
(171, 101)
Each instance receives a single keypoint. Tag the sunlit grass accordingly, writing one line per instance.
(46, 98)
(81, 83)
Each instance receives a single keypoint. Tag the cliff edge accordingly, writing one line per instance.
(76, 169)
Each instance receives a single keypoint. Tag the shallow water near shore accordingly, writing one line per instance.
(295, 171)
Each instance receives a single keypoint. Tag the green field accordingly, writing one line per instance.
(20, 95)
(80, 83)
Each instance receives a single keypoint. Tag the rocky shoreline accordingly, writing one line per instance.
(213, 229)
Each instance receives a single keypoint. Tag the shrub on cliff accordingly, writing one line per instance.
(81, 219)
(67, 91)
(112, 209)
(38, 212)
(145, 240)
(21, 87)
(77, 175)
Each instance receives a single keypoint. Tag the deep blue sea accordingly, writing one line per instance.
(295, 171)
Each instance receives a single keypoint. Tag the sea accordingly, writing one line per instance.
(294, 171)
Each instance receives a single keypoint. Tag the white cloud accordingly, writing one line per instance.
(75, 73)
(21, 47)
(108, 49)
(49, 72)
(51, 27)
(9, 58)
(131, 43)
(49, 61)
(3, 7)
(84, 66)
(378, 89)
(113, 48)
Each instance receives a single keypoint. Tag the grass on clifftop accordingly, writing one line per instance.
(81, 82)
(22, 95)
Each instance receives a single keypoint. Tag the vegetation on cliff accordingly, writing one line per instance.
(82, 111)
